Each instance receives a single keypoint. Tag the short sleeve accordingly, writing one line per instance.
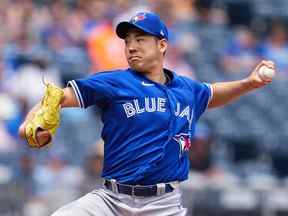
(97, 89)
(203, 94)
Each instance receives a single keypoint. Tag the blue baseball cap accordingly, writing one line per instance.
(148, 22)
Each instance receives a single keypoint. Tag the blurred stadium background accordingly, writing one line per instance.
(239, 156)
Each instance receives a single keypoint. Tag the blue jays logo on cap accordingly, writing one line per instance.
(147, 22)
(138, 17)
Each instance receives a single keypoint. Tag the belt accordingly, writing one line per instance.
(138, 190)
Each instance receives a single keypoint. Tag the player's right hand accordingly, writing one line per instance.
(21, 131)
(43, 137)
(44, 121)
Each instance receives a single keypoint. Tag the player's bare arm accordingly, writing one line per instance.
(43, 136)
(69, 98)
(226, 92)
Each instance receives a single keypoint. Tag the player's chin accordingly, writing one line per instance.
(137, 66)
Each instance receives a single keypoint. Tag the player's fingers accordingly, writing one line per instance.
(269, 64)
(258, 66)
(43, 137)
(267, 81)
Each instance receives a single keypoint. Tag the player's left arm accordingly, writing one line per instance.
(226, 92)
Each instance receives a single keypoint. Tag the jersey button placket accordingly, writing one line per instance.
(170, 99)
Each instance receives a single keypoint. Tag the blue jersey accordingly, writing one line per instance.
(147, 125)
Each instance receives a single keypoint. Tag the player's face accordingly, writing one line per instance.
(143, 51)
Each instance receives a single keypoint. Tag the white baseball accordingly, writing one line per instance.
(266, 73)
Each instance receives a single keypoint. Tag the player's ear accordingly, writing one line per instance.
(163, 45)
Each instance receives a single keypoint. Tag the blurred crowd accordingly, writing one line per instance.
(59, 40)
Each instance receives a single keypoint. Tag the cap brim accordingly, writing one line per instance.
(122, 29)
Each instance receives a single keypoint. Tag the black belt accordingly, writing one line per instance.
(138, 190)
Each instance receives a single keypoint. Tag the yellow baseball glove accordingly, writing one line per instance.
(47, 117)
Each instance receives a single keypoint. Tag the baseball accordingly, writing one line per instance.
(266, 73)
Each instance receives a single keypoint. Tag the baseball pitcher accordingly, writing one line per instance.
(149, 115)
